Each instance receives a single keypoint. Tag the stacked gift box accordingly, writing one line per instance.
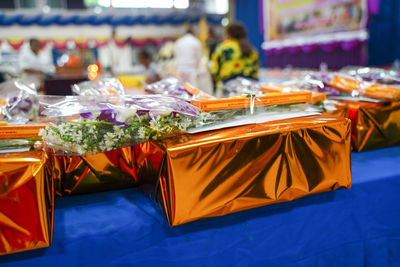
(368, 96)
(223, 171)
(26, 190)
(195, 155)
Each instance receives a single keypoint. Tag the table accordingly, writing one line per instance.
(356, 227)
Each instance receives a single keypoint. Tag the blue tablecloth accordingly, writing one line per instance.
(356, 227)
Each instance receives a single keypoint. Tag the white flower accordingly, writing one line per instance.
(155, 123)
(187, 121)
(182, 127)
(118, 131)
(184, 124)
(77, 136)
(204, 116)
(127, 135)
(63, 128)
(80, 149)
(109, 140)
(43, 133)
(164, 111)
(102, 146)
(92, 128)
(52, 137)
(142, 133)
(124, 115)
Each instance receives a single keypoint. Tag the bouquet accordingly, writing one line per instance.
(174, 87)
(314, 81)
(19, 102)
(89, 124)
(239, 86)
(375, 75)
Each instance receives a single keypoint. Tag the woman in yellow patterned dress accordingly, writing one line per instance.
(234, 57)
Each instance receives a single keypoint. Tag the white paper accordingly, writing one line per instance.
(358, 98)
(14, 150)
(259, 118)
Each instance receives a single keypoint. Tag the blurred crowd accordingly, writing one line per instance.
(222, 57)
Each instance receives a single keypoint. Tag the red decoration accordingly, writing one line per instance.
(60, 45)
(16, 44)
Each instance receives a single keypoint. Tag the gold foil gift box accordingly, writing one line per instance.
(95, 172)
(219, 172)
(26, 202)
(374, 125)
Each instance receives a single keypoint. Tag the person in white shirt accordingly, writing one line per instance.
(33, 62)
(149, 68)
(187, 56)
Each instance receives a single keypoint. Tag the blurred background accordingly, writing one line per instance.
(83, 39)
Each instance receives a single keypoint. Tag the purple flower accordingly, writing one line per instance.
(86, 115)
(18, 104)
(108, 115)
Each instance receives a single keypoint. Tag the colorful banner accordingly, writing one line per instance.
(45, 20)
(292, 18)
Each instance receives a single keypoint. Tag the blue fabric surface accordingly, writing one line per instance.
(356, 227)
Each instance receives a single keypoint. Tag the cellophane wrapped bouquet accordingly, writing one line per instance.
(376, 75)
(170, 86)
(18, 100)
(174, 87)
(316, 82)
(101, 86)
(240, 86)
(88, 124)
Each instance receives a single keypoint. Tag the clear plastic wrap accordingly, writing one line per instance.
(101, 86)
(169, 86)
(356, 87)
(250, 108)
(91, 124)
(317, 82)
(173, 87)
(376, 75)
(19, 103)
(88, 124)
(240, 86)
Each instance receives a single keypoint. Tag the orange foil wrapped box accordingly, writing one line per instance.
(372, 90)
(26, 202)
(95, 172)
(374, 125)
(214, 173)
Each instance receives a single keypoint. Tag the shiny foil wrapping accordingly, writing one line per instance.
(341, 110)
(94, 173)
(374, 125)
(229, 170)
(26, 202)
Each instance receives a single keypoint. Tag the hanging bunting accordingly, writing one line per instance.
(16, 43)
(120, 42)
(81, 43)
(140, 43)
(101, 42)
(42, 43)
(60, 44)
